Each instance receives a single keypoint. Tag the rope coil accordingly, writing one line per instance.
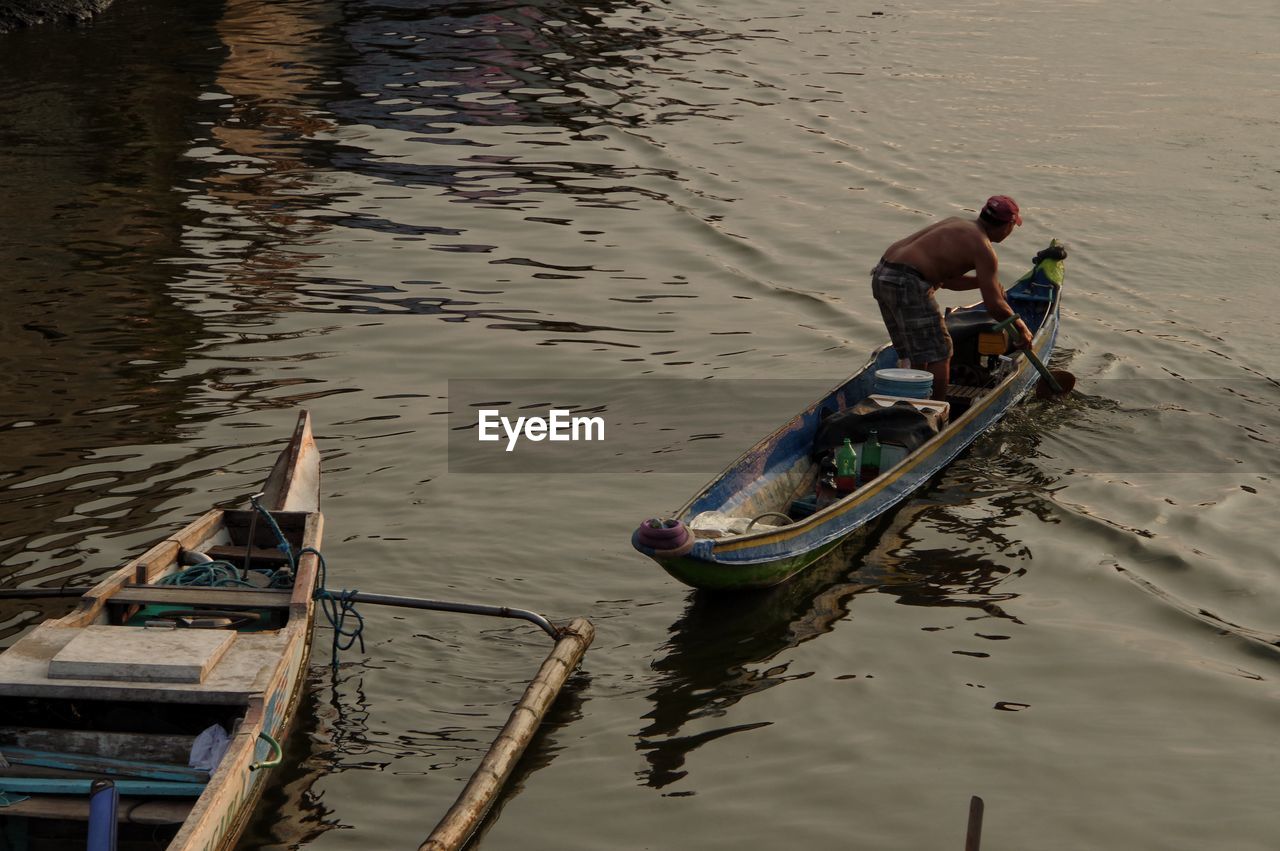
(337, 608)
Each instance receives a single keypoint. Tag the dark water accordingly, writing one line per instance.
(219, 212)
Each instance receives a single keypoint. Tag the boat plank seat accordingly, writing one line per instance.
(153, 747)
(200, 595)
(235, 554)
(130, 653)
(238, 522)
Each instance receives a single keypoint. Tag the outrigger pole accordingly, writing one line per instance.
(973, 838)
(478, 796)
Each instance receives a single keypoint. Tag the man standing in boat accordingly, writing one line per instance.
(943, 255)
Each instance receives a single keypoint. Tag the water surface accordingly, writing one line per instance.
(224, 211)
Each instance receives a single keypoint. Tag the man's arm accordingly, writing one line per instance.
(993, 294)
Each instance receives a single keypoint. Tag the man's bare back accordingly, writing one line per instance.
(946, 251)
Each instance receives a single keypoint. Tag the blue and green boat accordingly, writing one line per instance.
(756, 524)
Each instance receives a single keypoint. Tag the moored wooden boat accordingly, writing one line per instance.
(755, 525)
(210, 628)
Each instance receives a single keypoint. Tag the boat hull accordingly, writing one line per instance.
(714, 575)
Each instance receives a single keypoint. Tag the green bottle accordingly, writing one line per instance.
(870, 458)
(846, 467)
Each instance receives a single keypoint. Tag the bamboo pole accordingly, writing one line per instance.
(462, 819)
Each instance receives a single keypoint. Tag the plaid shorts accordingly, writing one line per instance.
(911, 313)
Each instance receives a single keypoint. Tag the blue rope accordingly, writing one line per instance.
(337, 608)
(209, 574)
(282, 543)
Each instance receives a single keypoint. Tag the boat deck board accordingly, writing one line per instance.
(24, 671)
(131, 653)
(962, 391)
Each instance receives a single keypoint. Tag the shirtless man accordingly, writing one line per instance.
(942, 255)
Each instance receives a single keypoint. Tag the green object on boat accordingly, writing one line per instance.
(846, 459)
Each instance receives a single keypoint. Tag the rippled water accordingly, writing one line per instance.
(219, 212)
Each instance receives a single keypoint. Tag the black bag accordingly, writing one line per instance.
(901, 423)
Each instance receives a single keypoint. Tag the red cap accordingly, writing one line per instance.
(1003, 209)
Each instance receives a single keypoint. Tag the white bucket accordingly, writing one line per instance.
(910, 383)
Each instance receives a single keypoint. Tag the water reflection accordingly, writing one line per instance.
(546, 73)
(94, 344)
(955, 544)
(260, 179)
(334, 732)
(721, 649)
(481, 107)
(547, 63)
(719, 652)
(115, 287)
(292, 812)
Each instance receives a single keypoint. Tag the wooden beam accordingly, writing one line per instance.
(235, 554)
(157, 747)
(193, 595)
(973, 837)
(98, 766)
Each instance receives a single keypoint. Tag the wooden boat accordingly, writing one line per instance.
(755, 524)
(146, 667)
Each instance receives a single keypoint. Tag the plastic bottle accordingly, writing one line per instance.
(870, 458)
(846, 467)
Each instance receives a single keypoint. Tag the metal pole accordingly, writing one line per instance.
(459, 608)
(104, 804)
(42, 593)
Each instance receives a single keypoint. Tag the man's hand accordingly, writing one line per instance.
(1021, 336)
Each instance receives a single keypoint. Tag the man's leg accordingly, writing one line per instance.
(941, 370)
